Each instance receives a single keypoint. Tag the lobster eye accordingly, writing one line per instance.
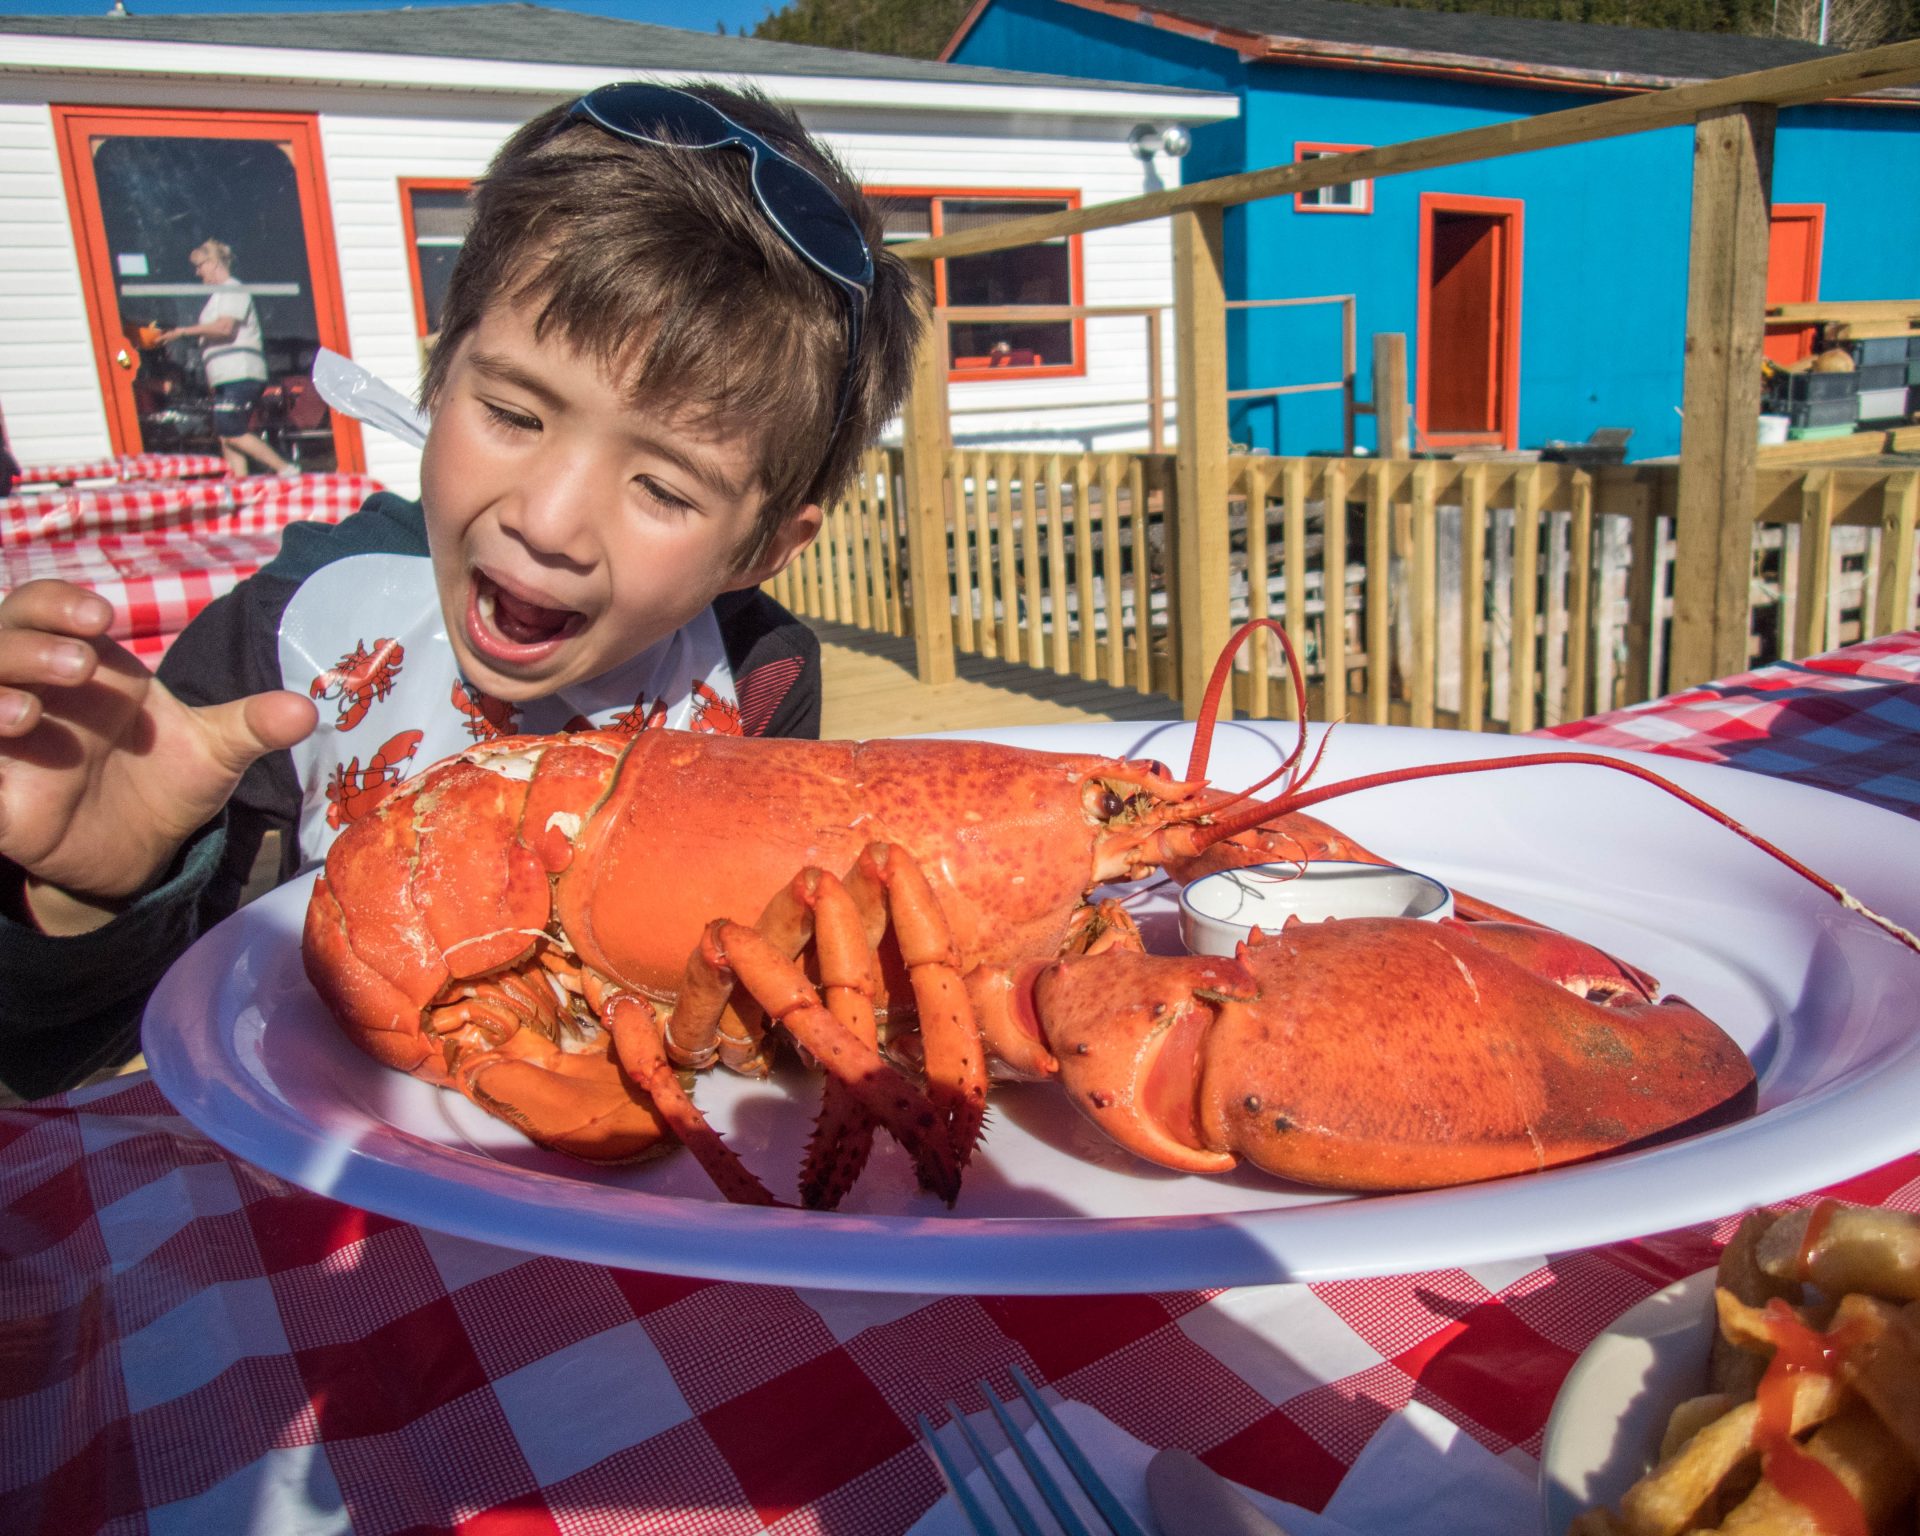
(1111, 805)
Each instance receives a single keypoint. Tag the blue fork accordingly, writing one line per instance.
(1026, 1517)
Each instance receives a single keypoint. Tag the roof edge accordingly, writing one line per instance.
(1279, 48)
(86, 54)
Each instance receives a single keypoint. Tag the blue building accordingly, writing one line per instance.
(1541, 295)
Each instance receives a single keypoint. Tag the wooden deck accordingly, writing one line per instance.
(871, 690)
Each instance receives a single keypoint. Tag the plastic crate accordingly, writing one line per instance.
(1880, 349)
(1820, 434)
(1883, 404)
(1881, 375)
(1913, 371)
(1823, 413)
(1791, 388)
(1913, 345)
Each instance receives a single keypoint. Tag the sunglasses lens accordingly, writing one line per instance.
(653, 112)
(812, 218)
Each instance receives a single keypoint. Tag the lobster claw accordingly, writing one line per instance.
(1383, 1053)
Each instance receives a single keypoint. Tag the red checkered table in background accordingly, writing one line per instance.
(192, 1344)
(161, 553)
(128, 466)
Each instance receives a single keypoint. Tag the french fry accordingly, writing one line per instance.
(1673, 1497)
(1880, 1359)
(1858, 1248)
(1692, 1416)
(1731, 1368)
(1857, 1448)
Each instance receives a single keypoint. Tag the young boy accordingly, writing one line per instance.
(668, 338)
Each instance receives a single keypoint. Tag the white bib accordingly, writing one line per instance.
(364, 637)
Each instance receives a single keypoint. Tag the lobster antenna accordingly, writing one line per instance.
(1299, 799)
(1216, 691)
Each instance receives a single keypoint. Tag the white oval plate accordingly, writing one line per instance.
(1820, 1000)
(1604, 1433)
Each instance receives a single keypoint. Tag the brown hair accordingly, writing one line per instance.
(657, 263)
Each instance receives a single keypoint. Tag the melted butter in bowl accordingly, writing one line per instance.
(1219, 911)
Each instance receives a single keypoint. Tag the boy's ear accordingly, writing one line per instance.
(795, 534)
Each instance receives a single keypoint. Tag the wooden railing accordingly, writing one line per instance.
(1479, 595)
(1719, 478)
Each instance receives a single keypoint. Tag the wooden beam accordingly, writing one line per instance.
(1200, 458)
(1843, 310)
(924, 448)
(1726, 299)
(1845, 74)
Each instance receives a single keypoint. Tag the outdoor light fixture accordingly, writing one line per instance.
(1148, 140)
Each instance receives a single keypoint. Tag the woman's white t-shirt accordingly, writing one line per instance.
(244, 357)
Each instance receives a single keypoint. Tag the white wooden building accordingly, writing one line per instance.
(331, 150)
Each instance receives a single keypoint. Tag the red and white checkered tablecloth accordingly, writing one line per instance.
(161, 553)
(192, 1345)
(156, 582)
(1847, 721)
(128, 466)
(254, 504)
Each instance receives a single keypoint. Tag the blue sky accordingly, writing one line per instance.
(697, 15)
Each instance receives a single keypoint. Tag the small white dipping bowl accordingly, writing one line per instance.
(1218, 911)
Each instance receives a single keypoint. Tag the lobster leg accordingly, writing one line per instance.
(778, 985)
(956, 1063)
(638, 1038)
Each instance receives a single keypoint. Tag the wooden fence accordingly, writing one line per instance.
(1482, 595)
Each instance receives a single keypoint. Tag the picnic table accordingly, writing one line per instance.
(197, 1345)
(160, 552)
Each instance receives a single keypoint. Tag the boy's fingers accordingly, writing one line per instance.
(56, 606)
(19, 712)
(250, 728)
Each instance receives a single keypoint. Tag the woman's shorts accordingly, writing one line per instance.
(233, 406)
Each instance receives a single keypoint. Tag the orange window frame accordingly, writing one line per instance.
(1513, 209)
(1302, 150)
(408, 186)
(74, 126)
(1075, 275)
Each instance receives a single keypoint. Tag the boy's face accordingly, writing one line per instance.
(570, 530)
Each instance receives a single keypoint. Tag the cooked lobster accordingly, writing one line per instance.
(562, 927)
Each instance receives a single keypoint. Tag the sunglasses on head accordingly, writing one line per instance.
(797, 203)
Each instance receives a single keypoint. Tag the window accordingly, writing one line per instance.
(1341, 197)
(1034, 275)
(437, 216)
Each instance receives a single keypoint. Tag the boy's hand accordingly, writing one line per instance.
(103, 772)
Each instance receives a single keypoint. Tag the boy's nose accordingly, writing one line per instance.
(551, 515)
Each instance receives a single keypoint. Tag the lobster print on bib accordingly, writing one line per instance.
(366, 635)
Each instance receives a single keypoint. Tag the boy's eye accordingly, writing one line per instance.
(661, 497)
(518, 421)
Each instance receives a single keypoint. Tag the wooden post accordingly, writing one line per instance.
(1201, 457)
(1809, 636)
(1719, 436)
(1390, 395)
(1900, 507)
(924, 448)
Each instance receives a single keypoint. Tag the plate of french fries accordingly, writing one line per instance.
(1776, 1395)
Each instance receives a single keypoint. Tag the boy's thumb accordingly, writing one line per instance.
(250, 728)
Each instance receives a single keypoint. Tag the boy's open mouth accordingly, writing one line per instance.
(513, 628)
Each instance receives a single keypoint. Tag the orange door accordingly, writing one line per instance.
(1793, 272)
(1467, 390)
(146, 187)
